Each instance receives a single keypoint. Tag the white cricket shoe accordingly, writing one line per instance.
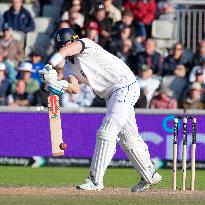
(143, 185)
(89, 185)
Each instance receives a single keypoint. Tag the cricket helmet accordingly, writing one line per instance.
(64, 36)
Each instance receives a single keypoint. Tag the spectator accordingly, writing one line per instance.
(20, 97)
(112, 11)
(173, 60)
(192, 77)
(18, 18)
(175, 83)
(193, 100)
(92, 31)
(40, 97)
(72, 21)
(13, 49)
(200, 77)
(125, 52)
(138, 31)
(4, 85)
(103, 22)
(25, 70)
(83, 99)
(149, 57)
(10, 69)
(75, 9)
(63, 24)
(38, 64)
(143, 10)
(148, 83)
(166, 11)
(116, 42)
(142, 101)
(199, 56)
(163, 101)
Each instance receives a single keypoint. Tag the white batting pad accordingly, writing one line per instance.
(137, 152)
(104, 149)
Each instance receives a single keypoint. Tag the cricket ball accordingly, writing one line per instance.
(63, 146)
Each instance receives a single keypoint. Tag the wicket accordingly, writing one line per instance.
(184, 151)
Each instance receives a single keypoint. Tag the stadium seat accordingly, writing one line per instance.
(4, 7)
(53, 11)
(32, 9)
(164, 32)
(37, 40)
(44, 25)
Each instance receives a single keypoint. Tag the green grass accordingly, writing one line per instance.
(61, 177)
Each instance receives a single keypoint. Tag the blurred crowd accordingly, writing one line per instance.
(124, 28)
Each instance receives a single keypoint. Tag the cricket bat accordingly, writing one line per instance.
(55, 125)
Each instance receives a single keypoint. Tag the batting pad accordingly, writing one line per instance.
(104, 149)
(137, 152)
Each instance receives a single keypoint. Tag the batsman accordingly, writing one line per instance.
(84, 61)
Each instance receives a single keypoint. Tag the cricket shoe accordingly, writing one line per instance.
(143, 185)
(89, 185)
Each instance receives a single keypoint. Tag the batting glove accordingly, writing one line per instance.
(58, 87)
(48, 74)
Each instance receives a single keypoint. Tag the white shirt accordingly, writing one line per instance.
(151, 84)
(192, 76)
(98, 68)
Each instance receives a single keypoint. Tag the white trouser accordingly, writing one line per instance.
(120, 121)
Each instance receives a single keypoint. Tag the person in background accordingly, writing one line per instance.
(72, 21)
(125, 52)
(38, 64)
(138, 31)
(104, 23)
(144, 11)
(63, 24)
(83, 99)
(173, 60)
(75, 9)
(163, 101)
(149, 57)
(19, 97)
(194, 100)
(18, 18)
(148, 83)
(113, 12)
(4, 85)
(176, 83)
(199, 77)
(192, 76)
(166, 11)
(92, 31)
(199, 56)
(40, 97)
(10, 69)
(13, 49)
(25, 71)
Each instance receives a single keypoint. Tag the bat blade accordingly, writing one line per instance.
(55, 125)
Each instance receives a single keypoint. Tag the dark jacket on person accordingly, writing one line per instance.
(170, 64)
(197, 60)
(21, 21)
(154, 61)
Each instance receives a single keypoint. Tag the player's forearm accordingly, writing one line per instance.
(69, 50)
(73, 86)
